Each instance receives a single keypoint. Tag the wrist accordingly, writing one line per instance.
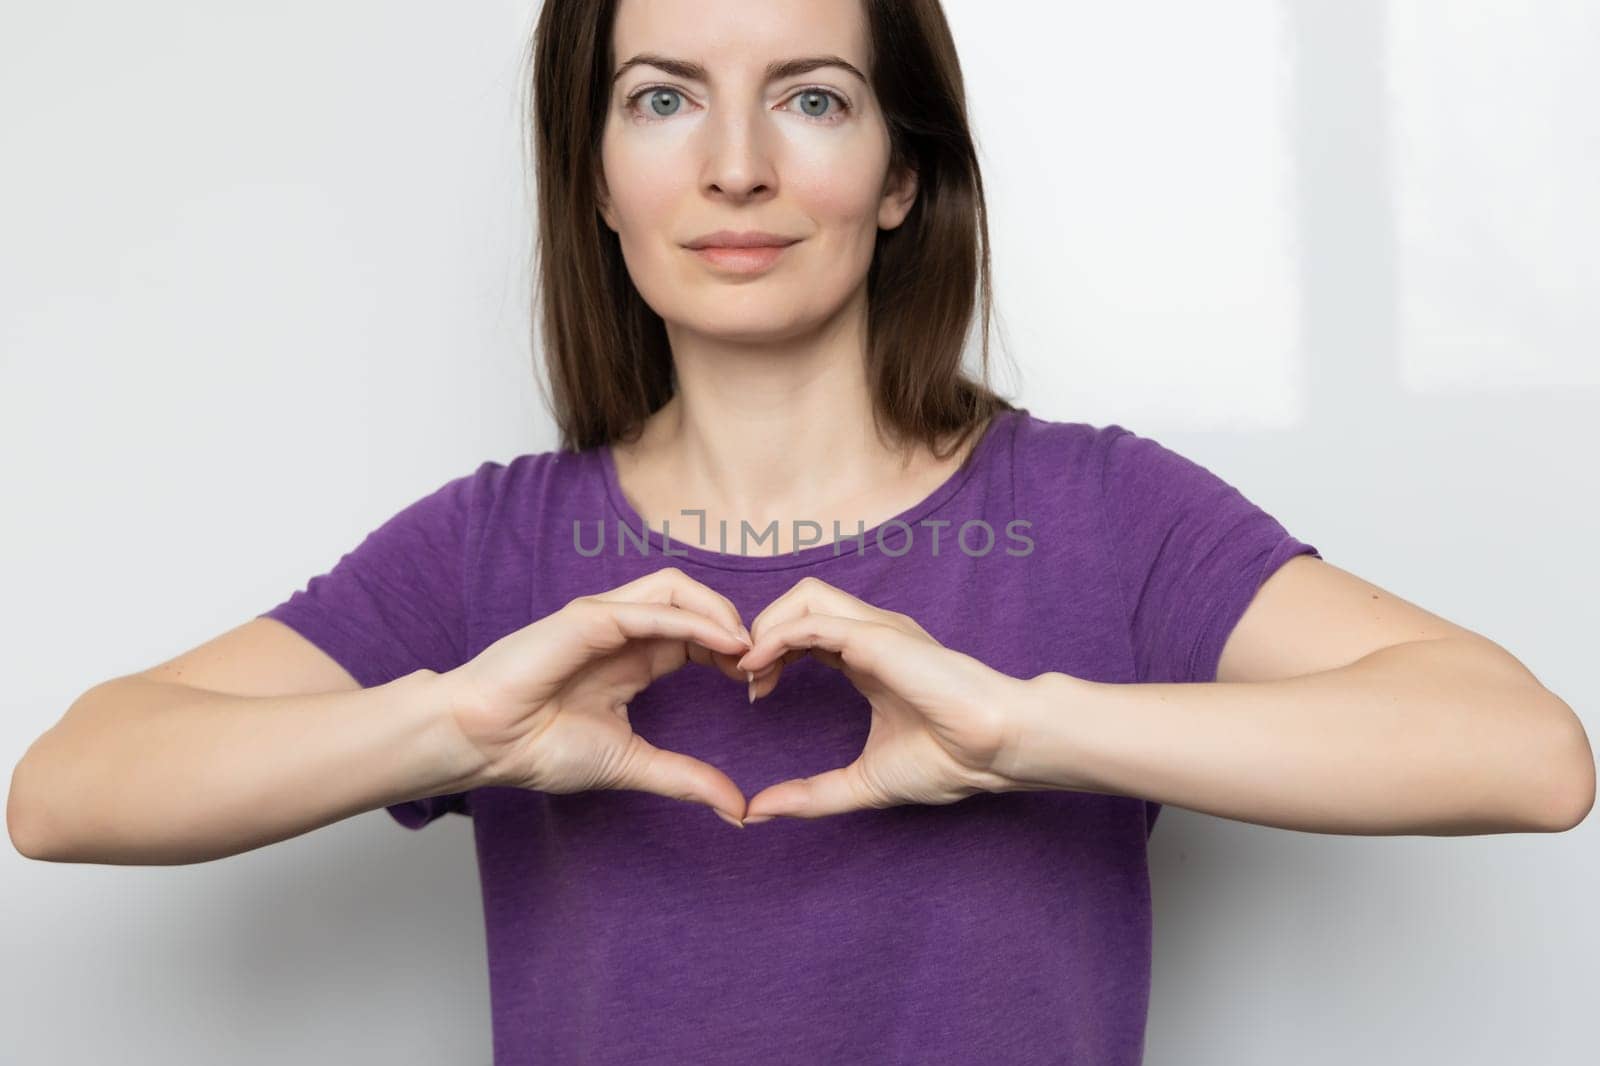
(442, 700)
(1037, 754)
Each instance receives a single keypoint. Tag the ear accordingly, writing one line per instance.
(602, 199)
(899, 193)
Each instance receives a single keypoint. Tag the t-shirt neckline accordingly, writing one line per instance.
(815, 553)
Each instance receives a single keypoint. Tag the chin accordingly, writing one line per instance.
(756, 326)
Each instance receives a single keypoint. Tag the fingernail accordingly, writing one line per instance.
(756, 818)
(746, 633)
(726, 817)
(750, 685)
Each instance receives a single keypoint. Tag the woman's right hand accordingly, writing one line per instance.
(547, 705)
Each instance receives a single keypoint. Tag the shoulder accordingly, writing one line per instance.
(1049, 450)
(1051, 455)
(535, 492)
(1056, 476)
(531, 473)
(1077, 469)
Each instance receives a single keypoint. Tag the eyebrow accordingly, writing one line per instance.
(782, 68)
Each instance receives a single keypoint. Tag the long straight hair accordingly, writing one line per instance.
(609, 364)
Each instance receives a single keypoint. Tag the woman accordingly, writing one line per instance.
(946, 650)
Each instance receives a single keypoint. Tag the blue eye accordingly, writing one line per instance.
(661, 103)
(656, 95)
(814, 95)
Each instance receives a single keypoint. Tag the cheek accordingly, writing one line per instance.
(838, 182)
(840, 192)
(645, 204)
(645, 182)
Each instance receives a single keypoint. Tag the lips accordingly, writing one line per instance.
(746, 239)
(748, 260)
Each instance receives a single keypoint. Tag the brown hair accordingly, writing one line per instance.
(609, 363)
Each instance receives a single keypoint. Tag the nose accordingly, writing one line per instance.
(739, 160)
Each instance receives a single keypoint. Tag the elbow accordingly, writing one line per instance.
(26, 845)
(21, 828)
(1573, 814)
(1570, 775)
(26, 822)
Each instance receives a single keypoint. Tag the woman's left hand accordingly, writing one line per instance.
(940, 718)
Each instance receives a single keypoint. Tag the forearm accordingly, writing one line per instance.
(152, 773)
(1419, 738)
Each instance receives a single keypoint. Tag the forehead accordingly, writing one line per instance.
(730, 34)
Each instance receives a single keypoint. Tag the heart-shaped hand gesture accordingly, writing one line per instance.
(940, 718)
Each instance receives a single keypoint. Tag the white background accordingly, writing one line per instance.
(263, 282)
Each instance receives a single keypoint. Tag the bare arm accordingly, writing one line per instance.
(1438, 737)
(147, 770)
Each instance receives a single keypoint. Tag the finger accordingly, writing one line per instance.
(766, 679)
(664, 655)
(725, 663)
(671, 586)
(832, 792)
(677, 776)
(813, 594)
(601, 626)
(822, 655)
(857, 643)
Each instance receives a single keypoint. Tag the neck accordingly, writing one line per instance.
(781, 433)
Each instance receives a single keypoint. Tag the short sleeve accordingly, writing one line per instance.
(396, 603)
(1190, 552)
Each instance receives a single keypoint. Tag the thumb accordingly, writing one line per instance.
(833, 792)
(681, 777)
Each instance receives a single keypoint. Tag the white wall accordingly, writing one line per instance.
(263, 282)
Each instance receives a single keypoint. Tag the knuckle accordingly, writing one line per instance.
(911, 625)
(590, 617)
(868, 792)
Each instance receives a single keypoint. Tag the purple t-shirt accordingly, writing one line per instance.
(624, 927)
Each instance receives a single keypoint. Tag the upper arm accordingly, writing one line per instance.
(1216, 588)
(397, 602)
(391, 605)
(1311, 616)
(1189, 551)
(262, 657)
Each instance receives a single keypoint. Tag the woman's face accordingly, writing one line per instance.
(803, 155)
